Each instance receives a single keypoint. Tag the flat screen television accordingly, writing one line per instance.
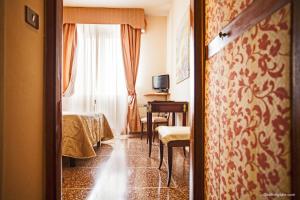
(161, 83)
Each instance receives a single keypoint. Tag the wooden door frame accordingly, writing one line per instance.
(53, 60)
(295, 97)
(197, 139)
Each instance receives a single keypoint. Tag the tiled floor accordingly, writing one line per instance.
(122, 170)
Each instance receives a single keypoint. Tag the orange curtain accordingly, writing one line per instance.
(69, 46)
(131, 42)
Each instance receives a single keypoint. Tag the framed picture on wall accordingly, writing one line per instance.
(183, 48)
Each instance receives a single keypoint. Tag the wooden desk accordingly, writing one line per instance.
(168, 107)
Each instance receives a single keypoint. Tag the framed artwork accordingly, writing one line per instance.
(183, 48)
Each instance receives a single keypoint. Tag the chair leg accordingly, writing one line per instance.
(161, 153)
(184, 152)
(142, 131)
(170, 158)
(147, 137)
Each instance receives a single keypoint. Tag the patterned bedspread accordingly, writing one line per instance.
(80, 133)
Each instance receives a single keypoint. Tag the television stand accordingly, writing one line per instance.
(153, 94)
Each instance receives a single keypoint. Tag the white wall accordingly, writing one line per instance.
(153, 56)
(183, 90)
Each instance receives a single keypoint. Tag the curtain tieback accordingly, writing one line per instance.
(131, 96)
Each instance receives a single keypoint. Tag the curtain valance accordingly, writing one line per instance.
(134, 17)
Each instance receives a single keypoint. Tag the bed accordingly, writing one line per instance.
(81, 132)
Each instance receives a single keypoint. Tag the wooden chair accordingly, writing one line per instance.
(172, 136)
(160, 120)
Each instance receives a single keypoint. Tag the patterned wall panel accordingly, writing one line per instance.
(247, 146)
(221, 12)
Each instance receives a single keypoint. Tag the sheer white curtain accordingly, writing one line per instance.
(99, 84)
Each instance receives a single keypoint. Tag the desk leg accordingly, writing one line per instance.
(184, 119)
(149, 131)
(173, 119)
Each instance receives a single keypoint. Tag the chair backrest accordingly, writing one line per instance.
(143, 112)
(166, 115)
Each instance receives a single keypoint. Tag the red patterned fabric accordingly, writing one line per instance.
(247, 123)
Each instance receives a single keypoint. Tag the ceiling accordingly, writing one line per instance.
(152, 7)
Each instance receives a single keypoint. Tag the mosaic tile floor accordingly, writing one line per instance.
(122, 170)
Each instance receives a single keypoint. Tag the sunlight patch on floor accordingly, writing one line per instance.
(112, 178)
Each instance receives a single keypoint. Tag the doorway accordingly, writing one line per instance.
(54, 102)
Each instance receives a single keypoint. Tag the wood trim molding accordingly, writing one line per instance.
(2, 76)
(257, 11)
(53, 58)
(295, 108)
(197, 107)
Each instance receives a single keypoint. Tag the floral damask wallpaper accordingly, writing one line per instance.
(221, 12)
(247, 146)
